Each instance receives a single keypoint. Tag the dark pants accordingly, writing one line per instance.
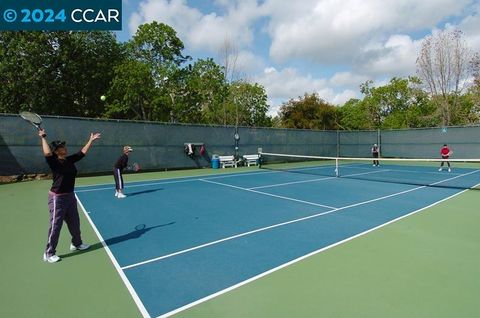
(117, 174)
(448, 163)
(375, 162)
(63, 207)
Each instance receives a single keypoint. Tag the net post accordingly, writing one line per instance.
(336, 167)
(259, 153)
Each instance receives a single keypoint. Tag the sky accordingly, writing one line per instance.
(328, 47)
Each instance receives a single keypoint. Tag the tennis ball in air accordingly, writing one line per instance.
(103, 98)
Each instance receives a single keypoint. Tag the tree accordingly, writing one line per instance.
(308, 112)
(133, 94)
(399, 104)
(207, 91)
(442, 64)
(157, 45)
(353, 115)
(474, 91)
(229, 56)
(61, 73)
(247, 105)
(147, 83)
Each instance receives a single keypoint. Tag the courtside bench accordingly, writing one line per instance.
(251, 159)
(227, 161)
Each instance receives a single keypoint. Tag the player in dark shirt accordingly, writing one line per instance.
(375, 152)
(61, 198)
(121, 164)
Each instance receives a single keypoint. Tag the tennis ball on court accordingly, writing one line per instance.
(103, 98)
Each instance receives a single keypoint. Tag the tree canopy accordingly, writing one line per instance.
(150, 77)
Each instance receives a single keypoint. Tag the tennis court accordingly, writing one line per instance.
(179, 242)
(425, 265)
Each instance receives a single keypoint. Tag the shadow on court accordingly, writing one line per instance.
(132, 194)
(136, 233)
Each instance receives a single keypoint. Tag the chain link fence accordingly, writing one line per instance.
(160, 146)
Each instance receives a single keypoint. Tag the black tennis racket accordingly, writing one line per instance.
(33, 119)
(134, 167)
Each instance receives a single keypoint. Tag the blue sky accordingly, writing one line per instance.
(325, 46)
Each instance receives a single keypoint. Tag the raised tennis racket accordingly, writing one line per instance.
(33, 119)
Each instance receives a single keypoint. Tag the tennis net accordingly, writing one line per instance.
(462, 173)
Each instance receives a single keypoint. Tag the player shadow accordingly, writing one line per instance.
(132, 194)
(135, 234)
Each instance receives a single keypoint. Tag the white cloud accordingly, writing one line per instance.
(347, 79)
(289, 83)
(249, 63)
(329, 31)
(395, 57)
(201, 31)
(367, 39)
(345, 96)
(175, 13)
(470, 25)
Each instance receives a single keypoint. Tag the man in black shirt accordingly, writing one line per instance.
(61, 198)
(121, 164)
(375, 152)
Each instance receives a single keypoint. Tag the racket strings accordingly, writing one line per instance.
(31, 117)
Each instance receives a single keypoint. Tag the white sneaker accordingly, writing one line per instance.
(81, 247)
(449, 170)
(121, 195)
(440, 169)
(116, 194)
(50, 259)
(373, 165)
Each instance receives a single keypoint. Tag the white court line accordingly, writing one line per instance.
(401, 170)
(188, 179)
(286, 223)
(124, 278)
(313, 180)
(137, 185)
(226, 290)
(268, 194)
(177, 181)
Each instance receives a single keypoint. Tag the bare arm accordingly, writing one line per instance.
(47, 152)
(93, 137)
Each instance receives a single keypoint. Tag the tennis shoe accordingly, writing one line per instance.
(80, 247)
(121, 196)
(440, 169)
(116, 194)
(51, 258)
(449, 170)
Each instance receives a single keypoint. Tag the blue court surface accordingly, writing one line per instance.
(178, 242)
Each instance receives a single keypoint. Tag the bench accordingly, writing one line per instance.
(251, 159)
(227, 161)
